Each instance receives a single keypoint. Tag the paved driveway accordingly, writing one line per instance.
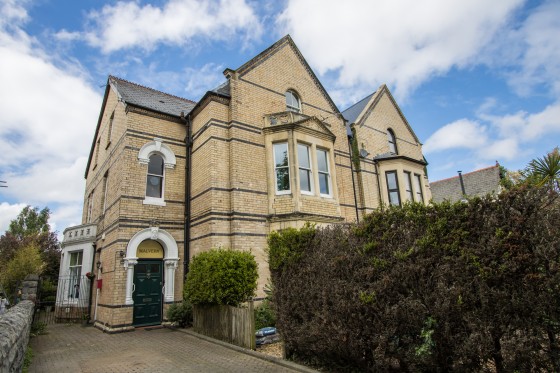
(72, 348)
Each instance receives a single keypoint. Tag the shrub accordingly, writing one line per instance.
(442, 287)
(181, 313)
(264, 315)
(222, 277)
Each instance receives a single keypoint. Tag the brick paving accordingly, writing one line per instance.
(73, 348)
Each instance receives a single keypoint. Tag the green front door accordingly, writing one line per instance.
(148, 282)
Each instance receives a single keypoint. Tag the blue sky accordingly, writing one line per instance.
(478, 80)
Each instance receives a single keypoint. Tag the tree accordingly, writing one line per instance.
(31, 227)
(545, 170)
(30, 222)
(26, 261)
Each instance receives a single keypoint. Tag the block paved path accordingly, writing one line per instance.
(73, 348)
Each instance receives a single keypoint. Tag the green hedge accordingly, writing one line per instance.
(464, 287)
(224, 277)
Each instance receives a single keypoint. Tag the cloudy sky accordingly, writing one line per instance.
(478, 80)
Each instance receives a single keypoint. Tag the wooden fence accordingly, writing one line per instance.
(235, 325)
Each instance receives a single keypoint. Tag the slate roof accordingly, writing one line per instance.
(477, 183)
(148, 98)
(223, 89)
(352, 113)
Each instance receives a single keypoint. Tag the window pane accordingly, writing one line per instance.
(155, 167)
(154, 268)
(322, 162)
(418, 185)
(408, 186)
(153, 187)
(324, 183)
(392, 180)
(282, 179)
(303, 156)
(392, 141)
(281, 154)
(292, 101)
(394, 198)
(304, 180)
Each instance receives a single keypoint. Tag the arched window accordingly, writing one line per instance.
(392, 141)
(292, 102)
(157, 156)
(154, 179)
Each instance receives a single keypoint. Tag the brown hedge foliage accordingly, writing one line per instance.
(448, 287)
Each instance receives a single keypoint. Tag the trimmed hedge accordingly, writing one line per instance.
(221, 277)
(465, 286)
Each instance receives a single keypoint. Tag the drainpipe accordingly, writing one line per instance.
(94, 247)
(187, 217)
(376, 164)
(462, 183)
(353, 182)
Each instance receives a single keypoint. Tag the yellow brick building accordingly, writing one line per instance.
(168, 178)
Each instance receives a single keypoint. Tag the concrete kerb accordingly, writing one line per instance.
(272, 359)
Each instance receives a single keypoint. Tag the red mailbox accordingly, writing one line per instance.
(100, 283)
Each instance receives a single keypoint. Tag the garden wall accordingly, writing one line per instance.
(15, 326)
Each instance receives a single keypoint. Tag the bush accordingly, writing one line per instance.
(181, 313)
(421, 288)
(221, 277)
(264, 315)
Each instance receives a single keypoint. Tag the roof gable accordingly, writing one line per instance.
(359, 112)
(286, 41)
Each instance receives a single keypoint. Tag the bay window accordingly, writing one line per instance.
(281, 168)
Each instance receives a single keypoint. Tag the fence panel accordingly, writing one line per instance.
(235, 325)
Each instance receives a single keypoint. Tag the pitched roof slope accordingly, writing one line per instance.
(354, 111)
(477, 183)
(148, 98)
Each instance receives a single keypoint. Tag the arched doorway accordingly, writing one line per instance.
(151, 261)
(148, 284)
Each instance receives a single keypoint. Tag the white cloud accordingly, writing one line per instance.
(459, 134)
(128, 24)
(9, 212)
(539, 60)
(401, 42)
(49, 116)
(498, 137)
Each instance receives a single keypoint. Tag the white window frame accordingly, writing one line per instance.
(392, 141)
(149, 200)
(389, 190)
(327, 172)
(169, 161)
(409, 193)
(75, 280)
(289, 190)
(89, 207)
(309, 170)
(419, 193)
(291, 98)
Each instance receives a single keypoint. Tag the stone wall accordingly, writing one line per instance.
(15, 326)
(14, 335)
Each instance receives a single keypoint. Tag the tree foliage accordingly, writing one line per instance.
(31, 228)
(26, 261)
(30, 222)
(464, 286)
(221, 277)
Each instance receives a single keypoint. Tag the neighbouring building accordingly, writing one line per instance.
(477, 183)
(168, 178)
